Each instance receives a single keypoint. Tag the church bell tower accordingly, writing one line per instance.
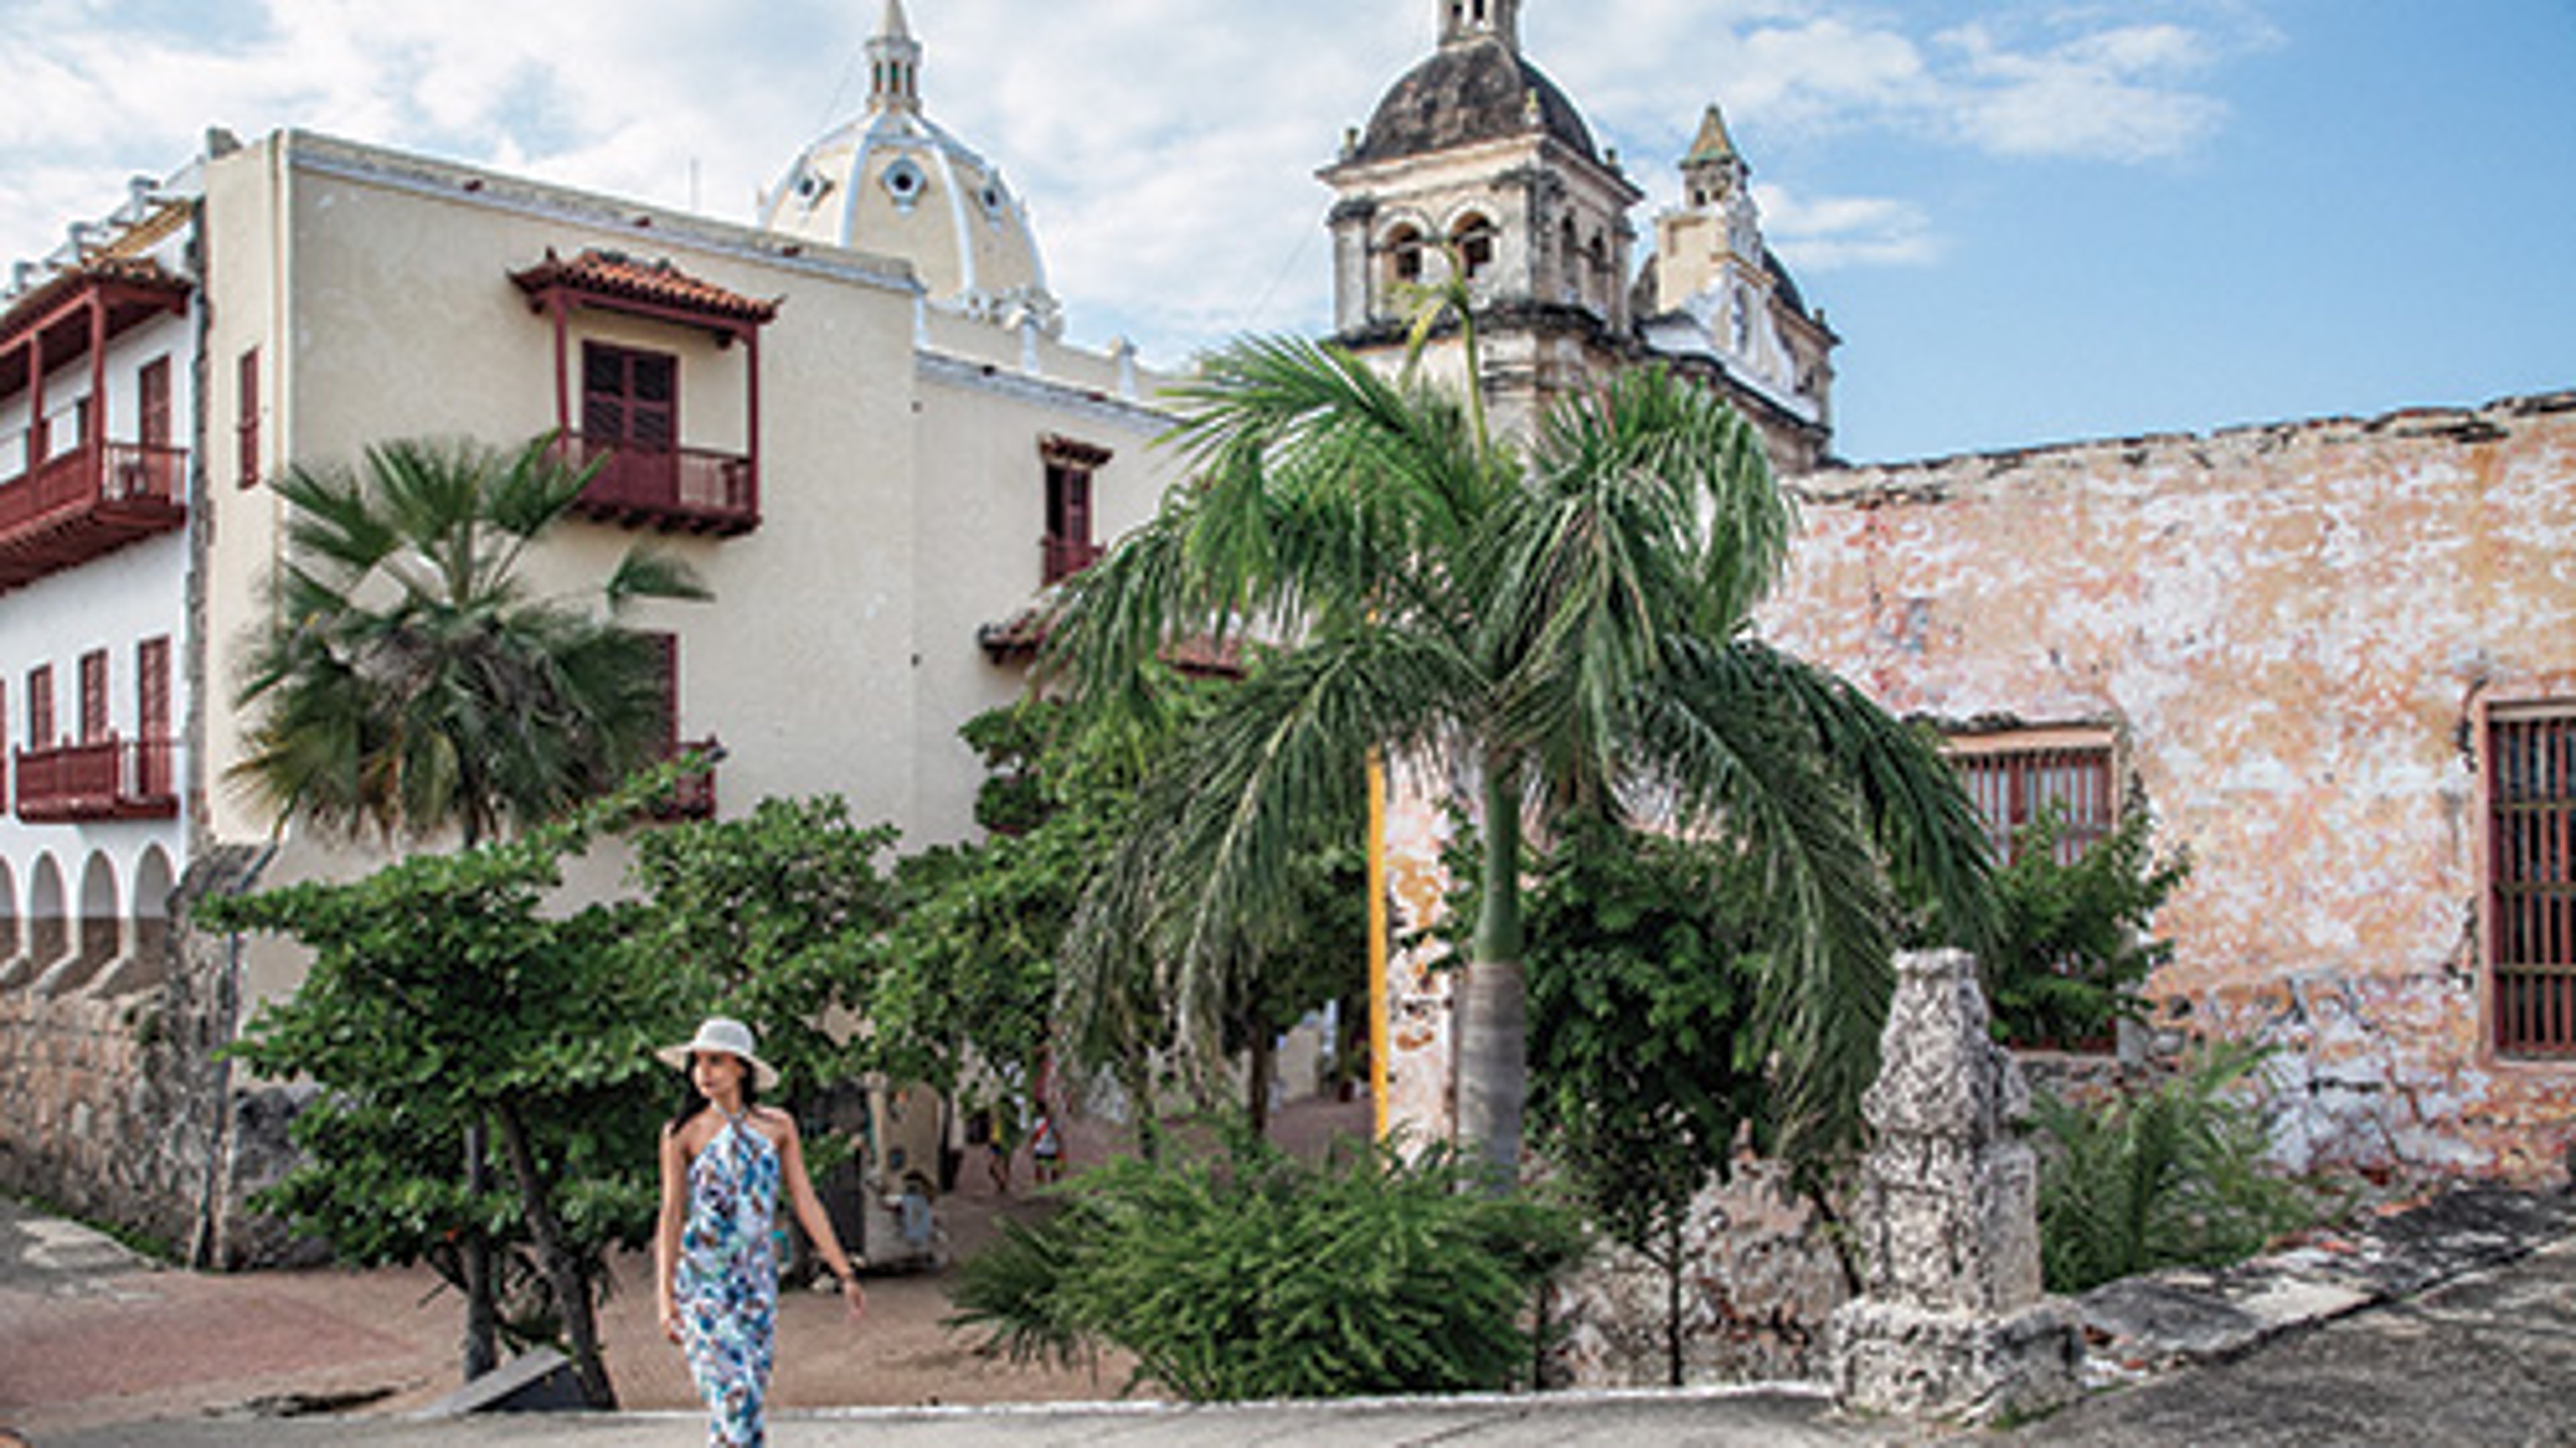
(1476, 160)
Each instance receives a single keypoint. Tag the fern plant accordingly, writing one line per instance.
(2171, 1176)
(1252, 1275)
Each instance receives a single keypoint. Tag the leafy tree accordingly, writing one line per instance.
(782, 911)
(409, 684)
(2072, 942)
(2171, 1176)
(1254, 1276)
(443, 993)
(1647, 1062)
(1543, 632)
(969, 973)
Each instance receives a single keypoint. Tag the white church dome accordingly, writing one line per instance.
(896, 183)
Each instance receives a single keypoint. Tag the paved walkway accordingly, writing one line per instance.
(2451, 1325)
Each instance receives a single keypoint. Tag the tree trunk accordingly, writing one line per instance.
(482, 1303)
(1672, 1265)
(572, 1294)
(1493, 1005)
(1259, 1063)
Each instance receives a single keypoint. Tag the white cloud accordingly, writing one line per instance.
(1167, 151)
(1822, 233)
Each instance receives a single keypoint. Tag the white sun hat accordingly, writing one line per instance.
(722, 1033)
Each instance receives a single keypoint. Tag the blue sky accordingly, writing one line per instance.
(2031, 221)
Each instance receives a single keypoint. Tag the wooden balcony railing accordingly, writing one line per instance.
(686, 490)
(1064, 557)
(108, 779)
(76, 505)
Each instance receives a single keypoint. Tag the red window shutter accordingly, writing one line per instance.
(666, 647)
(152, 389)
(246, 426)
(40, 707)
(630, 397)
(152, 688)
(93, 696)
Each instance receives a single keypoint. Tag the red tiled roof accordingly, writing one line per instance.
(616, 276)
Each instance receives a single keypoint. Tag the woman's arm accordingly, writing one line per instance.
(811, 1216)
(666, 1233)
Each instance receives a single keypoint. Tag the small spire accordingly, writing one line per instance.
(1713, 144)
(894, 63)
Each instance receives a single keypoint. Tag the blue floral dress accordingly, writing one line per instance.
(726, 1282)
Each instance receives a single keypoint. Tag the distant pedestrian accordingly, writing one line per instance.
(1046, 1150)
(715, 1265)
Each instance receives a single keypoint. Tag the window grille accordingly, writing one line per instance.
(2015, 788)
(2531, 902)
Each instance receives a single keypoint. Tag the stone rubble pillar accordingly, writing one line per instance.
(1952, 1322)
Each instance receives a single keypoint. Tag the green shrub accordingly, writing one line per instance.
(2172, 1176)
(1251, 1275)
(2072, 942)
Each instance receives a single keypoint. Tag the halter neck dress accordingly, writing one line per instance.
(726, 1281)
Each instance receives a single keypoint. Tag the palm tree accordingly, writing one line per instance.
(1534, 634)
(409, 684)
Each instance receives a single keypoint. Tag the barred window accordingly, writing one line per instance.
(2531, 891)
(2016, 779)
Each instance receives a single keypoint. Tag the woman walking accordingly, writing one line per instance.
(715, 1268)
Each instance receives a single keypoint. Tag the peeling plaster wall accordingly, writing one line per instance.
(2291, 627)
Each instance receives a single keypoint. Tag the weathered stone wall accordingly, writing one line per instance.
(120, 1109)
(1760, 1281)
(2291, 627)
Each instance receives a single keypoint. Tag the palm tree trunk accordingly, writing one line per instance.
(1260, 1061)
(1493, 1006)
(554, 1255)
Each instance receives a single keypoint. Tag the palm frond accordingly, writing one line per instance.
(1735, 761)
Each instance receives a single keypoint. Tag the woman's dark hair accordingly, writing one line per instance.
(691, 1102)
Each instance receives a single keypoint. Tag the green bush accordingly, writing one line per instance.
(2072, 942)
(2173, 1176)
(1251, 1275)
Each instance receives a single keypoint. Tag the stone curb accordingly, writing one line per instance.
(2149, 1324)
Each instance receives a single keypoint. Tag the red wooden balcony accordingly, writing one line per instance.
(1065, 557)
(110, 779)
(76, 505)
(677, 490)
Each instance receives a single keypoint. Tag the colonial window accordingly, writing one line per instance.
(1404, 255)
(1068, 547)
(152, 688)
(152, 391)
(40, 707)
(1475, 239)
(692, 796)
(629, 397)
(246, 420)
(93, 696)
(2531, 878)
(2021, 777)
